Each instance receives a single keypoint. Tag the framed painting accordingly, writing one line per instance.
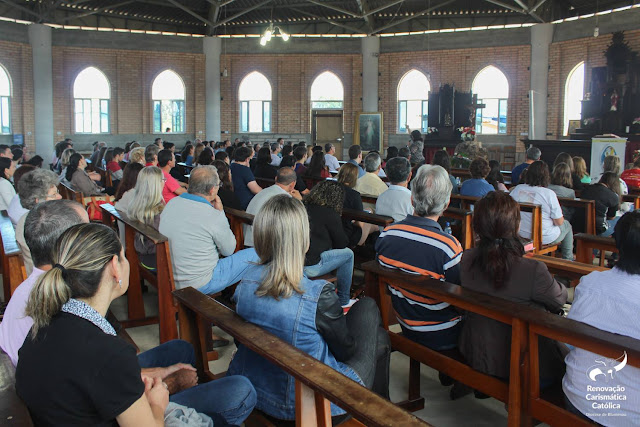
(573, 125)
(368, 131)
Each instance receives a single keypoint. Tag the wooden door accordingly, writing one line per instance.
(326, 126)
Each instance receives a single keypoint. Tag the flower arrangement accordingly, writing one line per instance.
(636, 121)
(465, 152)
(589, 122)
(432, 131)
(467, 133)
(635, 126)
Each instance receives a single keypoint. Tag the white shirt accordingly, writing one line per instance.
(395, 202)
(254, 208)
(6, 194)
(16, 210)
(275, 160)
(608, 300)
(332, 162)
(551, 210)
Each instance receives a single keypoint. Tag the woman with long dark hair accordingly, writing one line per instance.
(317, 167)
(79, 179)
(606, 194)
(225, 191)
(7, 191)
(263, 168)
(496, 266)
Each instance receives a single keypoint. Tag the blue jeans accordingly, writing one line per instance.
(229, 271)
(231, 398)
(335, 259)
(612, 225)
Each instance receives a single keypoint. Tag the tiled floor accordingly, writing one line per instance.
(439, 410)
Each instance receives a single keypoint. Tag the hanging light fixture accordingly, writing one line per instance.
(271, 32)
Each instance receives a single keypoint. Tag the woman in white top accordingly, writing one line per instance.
(554, 228)
(7, 168)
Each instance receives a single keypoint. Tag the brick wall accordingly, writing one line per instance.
(291, 77)
(459, 67)
(563, 57)
(16, 58)
(130, 74)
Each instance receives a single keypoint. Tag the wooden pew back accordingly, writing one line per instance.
(316, 383)
(70, 194)
(586, 243)
(13, 271)
(162, 279)
(587, 210)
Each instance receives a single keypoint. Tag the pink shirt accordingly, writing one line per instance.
(170, 185)
(15, 325)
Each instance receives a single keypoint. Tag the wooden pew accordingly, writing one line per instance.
(162, 279)
(70, 194)
(237, 219)
(572, 270)
(588, 211)
(586, 243)
(13, 272)
(377, 279)
(316, 383)
(634, 199)
(105, 177)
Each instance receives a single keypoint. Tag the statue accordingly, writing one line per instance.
(614, 100)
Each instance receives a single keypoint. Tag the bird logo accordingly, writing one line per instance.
(605, 369)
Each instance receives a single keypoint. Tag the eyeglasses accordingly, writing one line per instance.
(54, 195)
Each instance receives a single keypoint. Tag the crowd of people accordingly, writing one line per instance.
(55, 329)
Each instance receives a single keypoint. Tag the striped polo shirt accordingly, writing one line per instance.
(418, 246)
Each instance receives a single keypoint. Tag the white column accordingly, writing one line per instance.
(541, 37)
(370, 53)
(40, 40)
(212, 49)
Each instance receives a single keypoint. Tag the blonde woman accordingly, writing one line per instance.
(64, 162)
(146, 206)
(136, 155)
(72, 353)
(274, 289)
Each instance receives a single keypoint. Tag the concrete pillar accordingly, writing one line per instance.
(212, 49)
(40, 40)
(370, 54)
(541, 37)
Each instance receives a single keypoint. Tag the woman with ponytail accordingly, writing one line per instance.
(74, 370)
(496, 266)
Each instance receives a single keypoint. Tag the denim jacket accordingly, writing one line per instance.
(292, 320)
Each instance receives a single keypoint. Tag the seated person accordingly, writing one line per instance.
(79, 179)
(15, 209)
(187, 154)
(477, 186)
(146, 206)
(370, 183)
(264, 168)
(418, 245)
(244, 182)
(198, 233)
(274, 154)
(72, 353)
(113, 157)
(285, 184)
(7, 190)
(137, 155)
(496, 267)
(275, 286)
(606, 194)
(355, 158)
(495, 177)
(225, 192)
(290, 162)
(124, 195)
(317, 168)
(151, 155)
(328, 250)
(172, 187)
(45, 222)
(555, 230)
(300, 154)
(396, 201)
(37, 186)
(64, 162)
(356, 231)
(603, 299)
(329, 159)
(580, 170)
(562, 185)
(441, 158)
(533, 154)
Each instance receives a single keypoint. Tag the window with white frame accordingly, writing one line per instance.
(5, 102)
(255, 103)
(168, 93)
(91, 94)
(327, 92)
(492, 88)
(573, 94)
(413, 102)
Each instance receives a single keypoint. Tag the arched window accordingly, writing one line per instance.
(327, 92)
(492, 89)
(91, 96)
(413, 101)
(167, 93)
(5, 102)
(573, 94)
(255, 103)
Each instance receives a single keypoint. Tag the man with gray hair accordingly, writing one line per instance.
(275, 150)
(371, 184)
(43, 225)
(417, 245)
(396, 201)
(37, 186)
(533, 154)
(285, 184)
(151, 155)
(199, 233)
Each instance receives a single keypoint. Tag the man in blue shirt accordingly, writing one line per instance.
(355, 158)
(477, 186)
(533, 154)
